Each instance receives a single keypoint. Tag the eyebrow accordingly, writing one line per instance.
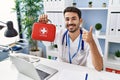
(71, 17)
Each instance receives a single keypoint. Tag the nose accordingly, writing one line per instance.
(70, 21)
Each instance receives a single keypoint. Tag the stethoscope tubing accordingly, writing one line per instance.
(65, 35)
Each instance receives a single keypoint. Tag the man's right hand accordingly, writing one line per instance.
(43, 18)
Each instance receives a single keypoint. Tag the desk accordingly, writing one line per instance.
(9, 72)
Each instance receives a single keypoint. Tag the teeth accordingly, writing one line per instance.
(71, 26)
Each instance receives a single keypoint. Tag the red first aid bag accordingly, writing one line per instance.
(43, 32)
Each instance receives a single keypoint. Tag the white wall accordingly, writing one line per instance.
(6, 14)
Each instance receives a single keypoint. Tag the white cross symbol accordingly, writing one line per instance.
(43, 30)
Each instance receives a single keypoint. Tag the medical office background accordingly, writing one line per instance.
(109, 37)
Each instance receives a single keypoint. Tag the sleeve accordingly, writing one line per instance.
(57, 41)
(57, 36)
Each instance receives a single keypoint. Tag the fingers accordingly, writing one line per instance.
(43, 18)
(87, 35)
(91, 29)
(84, 35)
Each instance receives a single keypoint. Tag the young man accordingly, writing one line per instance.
(76, 45)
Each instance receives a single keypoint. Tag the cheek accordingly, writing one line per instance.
(78, 23)
(66, 24)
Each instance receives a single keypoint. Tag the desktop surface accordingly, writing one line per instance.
(65, 71)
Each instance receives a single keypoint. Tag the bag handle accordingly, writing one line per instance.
(48, 21)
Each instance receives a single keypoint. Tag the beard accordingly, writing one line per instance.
(72, 28)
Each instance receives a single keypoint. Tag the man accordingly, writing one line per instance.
(76, 45)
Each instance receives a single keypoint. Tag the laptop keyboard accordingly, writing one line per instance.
(42, 74)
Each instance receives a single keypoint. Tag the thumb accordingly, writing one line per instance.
(91, 29)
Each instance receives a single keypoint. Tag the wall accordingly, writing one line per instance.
(7, 14)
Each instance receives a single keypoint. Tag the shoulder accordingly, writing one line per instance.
(59, 34)
(61, 31)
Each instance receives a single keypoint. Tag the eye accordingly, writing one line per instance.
(66, 19)
(73, 18)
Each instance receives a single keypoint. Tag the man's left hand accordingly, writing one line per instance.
(87, 35)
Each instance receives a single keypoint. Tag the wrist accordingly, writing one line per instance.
(92, 42)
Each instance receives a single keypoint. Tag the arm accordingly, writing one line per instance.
(96, 57)
(95, 54)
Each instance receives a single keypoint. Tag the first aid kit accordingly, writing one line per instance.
(43, 32)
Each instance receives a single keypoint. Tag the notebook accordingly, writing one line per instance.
(39, 72)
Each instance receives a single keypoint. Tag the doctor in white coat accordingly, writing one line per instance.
(75, 44)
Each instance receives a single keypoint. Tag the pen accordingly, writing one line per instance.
(86, 77)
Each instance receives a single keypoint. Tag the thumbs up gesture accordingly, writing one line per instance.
(87, 35)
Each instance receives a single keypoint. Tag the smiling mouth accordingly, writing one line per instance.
(71, 25)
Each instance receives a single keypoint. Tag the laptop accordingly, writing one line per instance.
(39, 72)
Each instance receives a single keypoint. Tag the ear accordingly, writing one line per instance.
(81, 20)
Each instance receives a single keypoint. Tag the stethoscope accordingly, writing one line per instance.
(81, 44)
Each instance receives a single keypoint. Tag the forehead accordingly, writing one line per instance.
(70, 14)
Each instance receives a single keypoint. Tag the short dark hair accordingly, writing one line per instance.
(73, 9)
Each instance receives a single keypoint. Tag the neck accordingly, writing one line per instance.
(74, 35)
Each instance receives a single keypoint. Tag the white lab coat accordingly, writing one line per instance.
(82, 58)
